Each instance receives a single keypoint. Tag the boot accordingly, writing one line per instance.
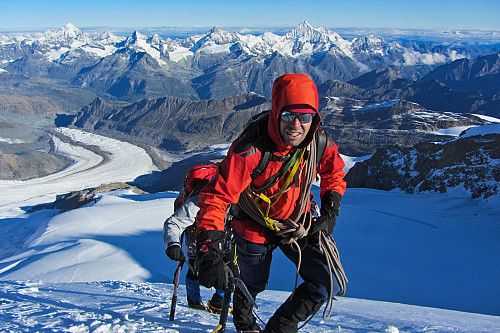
(243, 318)
(295, 309)
(196, 305)
(254, 329)
(215, 304)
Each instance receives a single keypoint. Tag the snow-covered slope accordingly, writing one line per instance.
(118, 306)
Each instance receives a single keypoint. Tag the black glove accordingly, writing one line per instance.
(330, 205)
(174, 252)
(212, 271)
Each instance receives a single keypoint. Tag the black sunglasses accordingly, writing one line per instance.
(304, 118)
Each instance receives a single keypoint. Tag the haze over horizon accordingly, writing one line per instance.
(424, 14)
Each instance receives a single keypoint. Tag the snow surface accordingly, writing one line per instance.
(119, 306)
(482, 130)
(488, 118)
(455, 131)
(102, 267)
(350, 161)
(478, 130)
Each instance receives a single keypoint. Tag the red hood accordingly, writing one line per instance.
(292, 89)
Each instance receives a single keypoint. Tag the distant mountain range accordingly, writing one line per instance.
(476, 86)
(220, 64)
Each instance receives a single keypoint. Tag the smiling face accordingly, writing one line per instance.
(295, 93)
(293, 132)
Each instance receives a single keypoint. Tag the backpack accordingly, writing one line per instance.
(196, 178)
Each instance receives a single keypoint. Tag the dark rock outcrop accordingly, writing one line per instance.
(77, 199)
(470, 162)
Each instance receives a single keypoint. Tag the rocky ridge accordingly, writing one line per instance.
(387, 84)
(77, 199)
(174, 124)
(470, 162)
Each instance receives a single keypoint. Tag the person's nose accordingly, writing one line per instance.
(296, 123)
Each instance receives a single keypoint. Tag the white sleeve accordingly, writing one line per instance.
(174, 226)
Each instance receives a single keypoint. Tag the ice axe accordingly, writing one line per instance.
(177, 275)
(233, 282)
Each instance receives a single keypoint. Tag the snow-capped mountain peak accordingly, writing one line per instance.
(221, 37)
(135, 37)
(301, 41)
(66, 33)
(108, 38)
(70, 31)
(304, 31)
(368, 43)
(323, 51)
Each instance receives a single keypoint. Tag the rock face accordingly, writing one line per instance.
(481, 74)
(31, 96)
(387, 84)
(471, 162)
(26, 152)
(172, 123)
(175, 124)
(29, 164)
(361, 126)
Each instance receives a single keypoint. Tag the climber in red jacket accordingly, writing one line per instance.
(271, 209)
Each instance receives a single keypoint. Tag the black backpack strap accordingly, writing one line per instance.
(263, 163)
(197, 188)
(267, 148)
(321, 143)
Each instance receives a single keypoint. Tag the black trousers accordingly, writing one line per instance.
(254, 261)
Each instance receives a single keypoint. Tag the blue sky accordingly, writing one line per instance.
(448, 14)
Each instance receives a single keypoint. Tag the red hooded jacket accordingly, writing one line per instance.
(233, 175)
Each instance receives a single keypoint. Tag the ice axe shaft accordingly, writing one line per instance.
(241, 286)
(225, 307)
(233, 282)
(177, 275)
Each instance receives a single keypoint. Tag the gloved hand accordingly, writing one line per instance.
(330, 205)
(212, 271)
(174, 252)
